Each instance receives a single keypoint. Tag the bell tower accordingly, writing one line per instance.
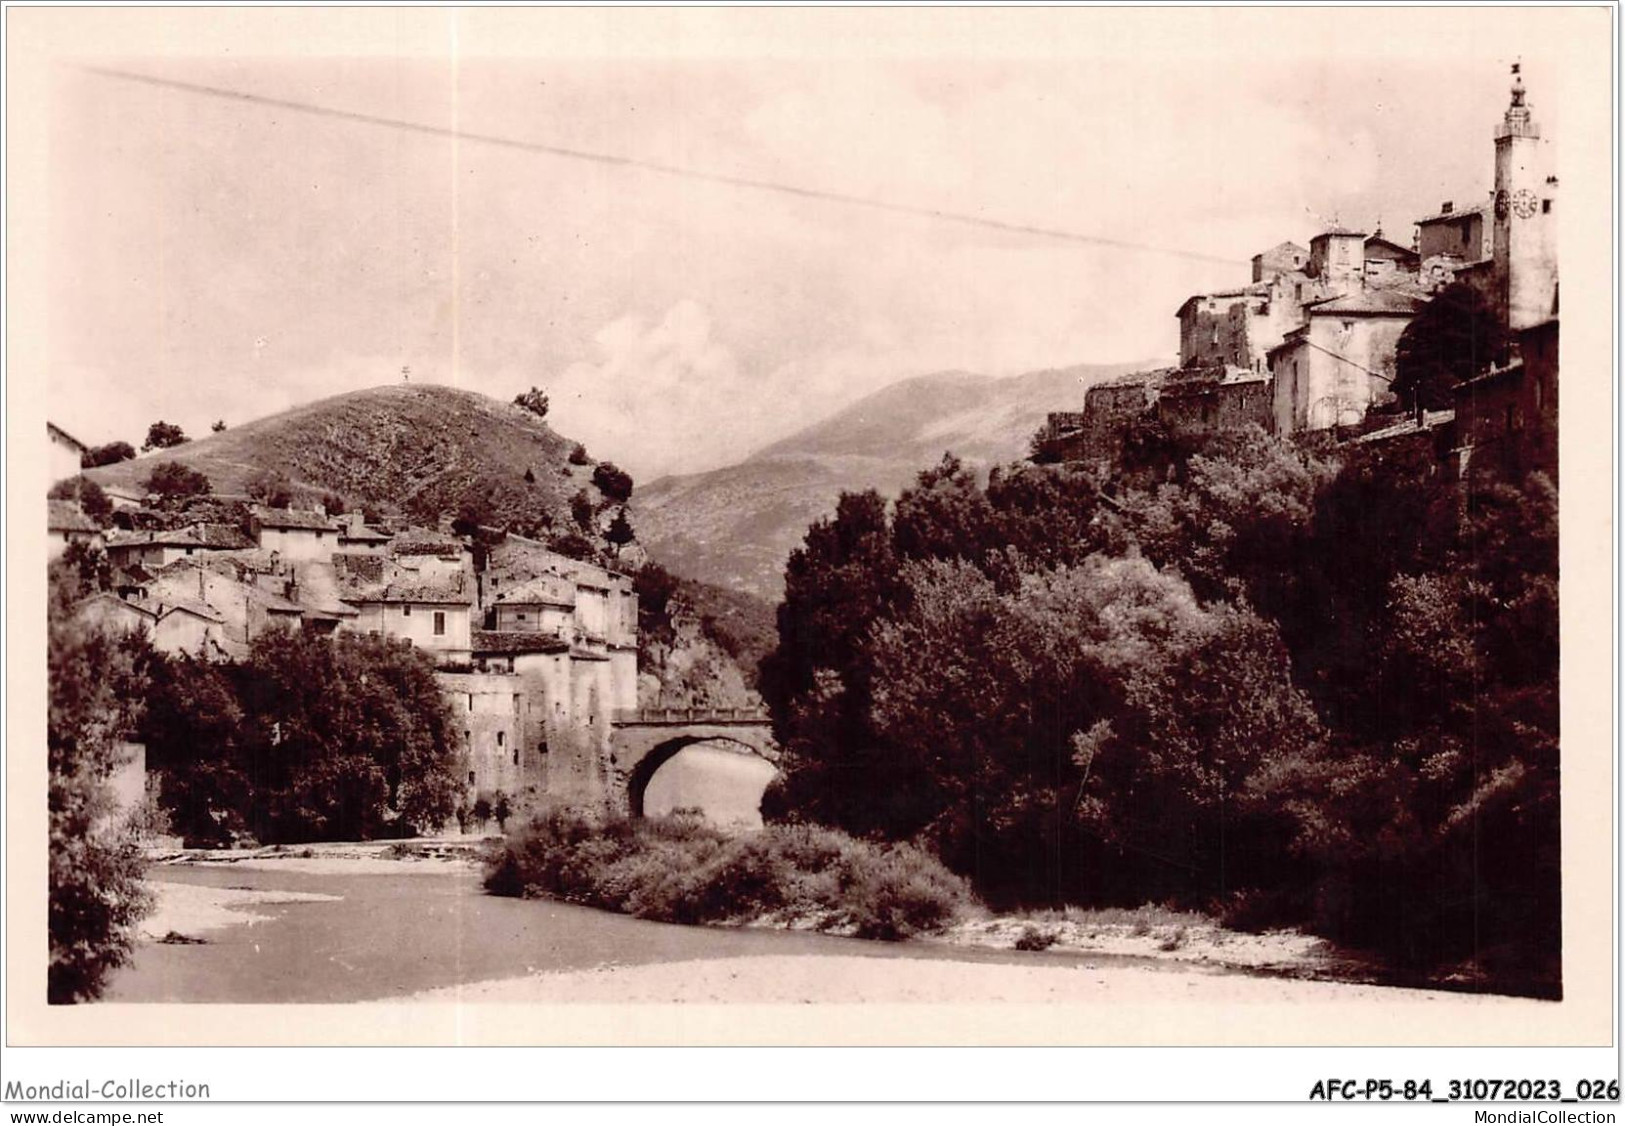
(1525, 267)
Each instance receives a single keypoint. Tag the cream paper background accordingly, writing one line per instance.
(39, 39)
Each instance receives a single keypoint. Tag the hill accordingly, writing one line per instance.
(420, 450)
(735, 526)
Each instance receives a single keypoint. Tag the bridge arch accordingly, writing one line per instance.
(643, 771)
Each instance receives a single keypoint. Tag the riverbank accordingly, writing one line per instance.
(847, 980)
(193, 911)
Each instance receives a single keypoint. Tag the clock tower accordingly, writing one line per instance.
(1525, 267)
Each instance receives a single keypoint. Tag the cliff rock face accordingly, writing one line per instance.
(687, 669)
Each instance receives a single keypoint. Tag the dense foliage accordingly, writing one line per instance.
(311, 738)
(176, 484)
(680, 870)
(613, 481)
(96, 894)
(1237, 675)
(93, 502)
(163, 435)
(110, 454)
(1454, 337)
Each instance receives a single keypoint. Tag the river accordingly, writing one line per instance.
(395, 935)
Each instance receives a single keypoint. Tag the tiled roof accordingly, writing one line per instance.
(140, 606)
(547, 590)
(1458, 213)
(221, 537)
(1339, 232)
(54, 429)
(417, 541)
(363, 534)
(168, 603)
(1378, 302)
(174, 537)
(293, 520)
(1404, 251)
(516, 641)
(65, 516)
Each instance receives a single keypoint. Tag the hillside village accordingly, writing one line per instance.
(1309, 347)
(535, 650)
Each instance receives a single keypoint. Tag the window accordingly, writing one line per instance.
(471, 701)
(500, 736)
(439, 623)
(1545, 207)
(520, 616)
(406, 611)
(470, 777)
(516, 754)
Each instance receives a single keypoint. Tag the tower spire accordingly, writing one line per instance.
(1518, 122)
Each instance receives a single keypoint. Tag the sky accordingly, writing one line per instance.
(216, 257)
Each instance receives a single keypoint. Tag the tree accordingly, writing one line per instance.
(271, 487)
(89, 495)
(312, 738)
(574, 546)
(620, 529)
(219, 425)
(176, 483)
(97, 897)
(654, 586)
(578, 454)
(581, 510)
(162, 435)
(534, 401)
(614, 482)
(1455, 337)
(107, 455)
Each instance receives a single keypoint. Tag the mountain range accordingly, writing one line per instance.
(735, 526)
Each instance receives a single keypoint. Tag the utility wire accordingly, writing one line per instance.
(614, 160)
(1351, 363)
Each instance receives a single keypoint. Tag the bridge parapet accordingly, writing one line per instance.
(625, 717)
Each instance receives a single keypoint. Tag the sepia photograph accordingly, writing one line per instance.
(718, 509)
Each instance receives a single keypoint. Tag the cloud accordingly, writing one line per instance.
(660, 397)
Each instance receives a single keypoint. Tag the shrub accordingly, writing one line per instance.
(679, 869)
(1031, 938)
(578, 454)
(613, 481)
(534, 401)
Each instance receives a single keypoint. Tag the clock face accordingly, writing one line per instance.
(1524, 203)
(1501, 204)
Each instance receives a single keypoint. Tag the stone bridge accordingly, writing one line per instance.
(645, 739)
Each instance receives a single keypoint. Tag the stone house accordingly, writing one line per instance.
(67, 523)
(545, 604)
(65, 454)
(175, 625)
(295, 535)
(1340, 362)
(1510, 412)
